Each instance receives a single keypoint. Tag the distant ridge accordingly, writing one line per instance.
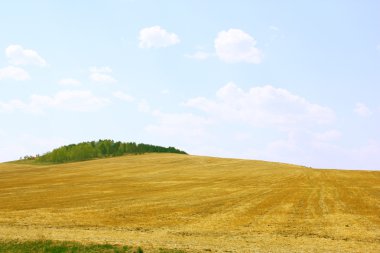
(98, 149)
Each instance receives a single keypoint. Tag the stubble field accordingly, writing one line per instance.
(192, 203)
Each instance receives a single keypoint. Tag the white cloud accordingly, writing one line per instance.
(123, 96)
(70, 82)
(14, 73)
(156, 37)
(17, 55)
(235, 46)
(362, 110)
(101, 74)
(262, 123)
(263, 106)
(199, 55)
(70, 100)
(231, 123)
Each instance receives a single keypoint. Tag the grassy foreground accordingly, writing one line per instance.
(47, 246)
(192, 203)
(61, 247)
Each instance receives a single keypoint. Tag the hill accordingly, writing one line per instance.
(98, 149)
(198, 204)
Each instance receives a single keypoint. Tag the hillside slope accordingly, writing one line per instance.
(192, 203)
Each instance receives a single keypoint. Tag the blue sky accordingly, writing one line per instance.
(290, 81)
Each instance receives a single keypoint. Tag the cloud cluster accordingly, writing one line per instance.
(231, 123)
(17, 55)
(235, 46)
(302, 128)
(69, 100)
(262, 106)
(157, 37)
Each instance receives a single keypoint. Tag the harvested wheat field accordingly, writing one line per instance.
(197, 204)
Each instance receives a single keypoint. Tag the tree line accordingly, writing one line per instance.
(99, 149)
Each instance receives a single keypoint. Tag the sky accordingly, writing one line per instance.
(289, 81)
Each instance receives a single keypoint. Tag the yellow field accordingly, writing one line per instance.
(198, 204)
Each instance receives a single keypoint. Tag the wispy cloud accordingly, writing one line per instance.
(101, 74)
(327, 136)
(14, 73)
(69, 100)
(362, 110)
(17, 55)
(262, 106)
(123, 96)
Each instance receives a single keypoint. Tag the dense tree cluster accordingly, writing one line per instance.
(98, 149)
